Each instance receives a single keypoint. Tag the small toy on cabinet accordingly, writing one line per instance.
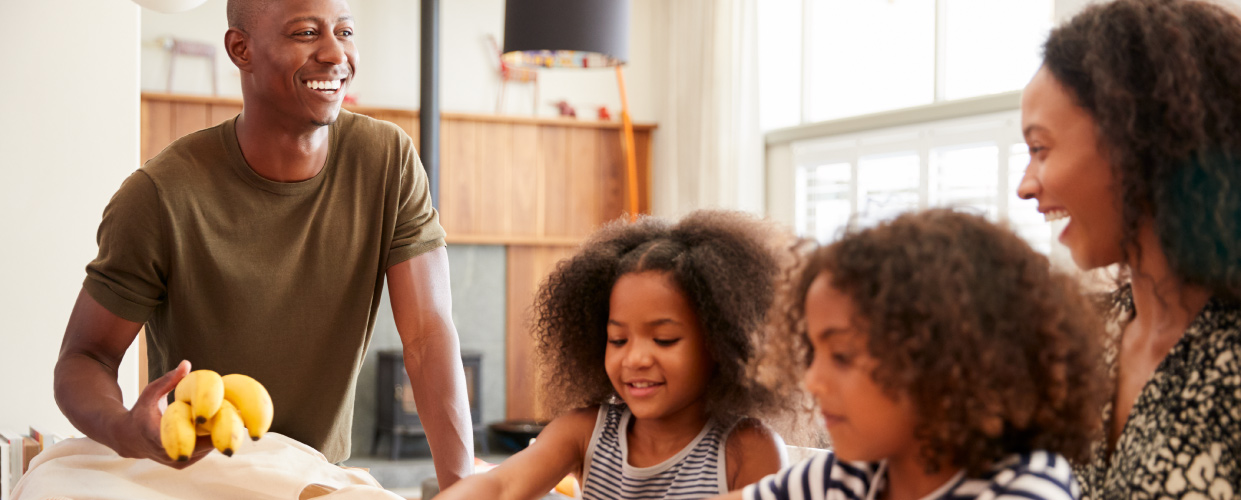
(565, 110)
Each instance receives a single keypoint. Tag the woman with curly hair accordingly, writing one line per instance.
(645, 337)
(947, 360)
(1134, 128)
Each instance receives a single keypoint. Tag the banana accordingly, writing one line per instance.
(203, 429)
(176, 431)
(185, 388)
(252, 401)
(227, 430)
(204, 391)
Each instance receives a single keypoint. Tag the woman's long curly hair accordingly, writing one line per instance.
(724, 263)
(997, 353)
(1161, 80)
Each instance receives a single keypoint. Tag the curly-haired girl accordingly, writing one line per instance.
(645, 337)
(947, 360)
(1134, 128)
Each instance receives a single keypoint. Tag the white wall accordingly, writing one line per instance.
(192, 75)
(1065, 9)
(388, 33)
(69, 136)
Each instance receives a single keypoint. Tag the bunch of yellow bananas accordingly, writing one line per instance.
(221, 407)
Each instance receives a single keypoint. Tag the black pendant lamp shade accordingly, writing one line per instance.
(566, 33)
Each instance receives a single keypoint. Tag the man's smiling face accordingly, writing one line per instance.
(303, 58)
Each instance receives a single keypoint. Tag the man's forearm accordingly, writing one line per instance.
(422, 308)
(87, 393)
(438, 382)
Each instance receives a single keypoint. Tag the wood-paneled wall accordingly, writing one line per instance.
(528, 265)
(166, 118)
(502, 179)
(539, 186)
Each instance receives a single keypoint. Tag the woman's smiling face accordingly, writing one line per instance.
(1069, 174)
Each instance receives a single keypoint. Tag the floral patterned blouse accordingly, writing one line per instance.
(1183, 436)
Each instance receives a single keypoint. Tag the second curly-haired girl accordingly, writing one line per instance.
(646, 336)
(947, 361)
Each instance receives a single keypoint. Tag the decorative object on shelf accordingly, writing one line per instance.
(564, 109)
(604, 115)
(575, 34)
(177, 47)
(513, 73)
(169, 6)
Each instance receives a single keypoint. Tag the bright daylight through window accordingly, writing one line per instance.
(845, 58)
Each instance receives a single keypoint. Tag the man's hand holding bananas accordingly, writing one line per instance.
(221, 407)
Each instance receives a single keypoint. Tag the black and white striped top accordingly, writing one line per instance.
(697, 471)
(1037, 475)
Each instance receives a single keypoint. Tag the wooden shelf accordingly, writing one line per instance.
(374, 110)
(500, 239)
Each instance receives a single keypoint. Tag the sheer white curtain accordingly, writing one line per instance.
(708, 149)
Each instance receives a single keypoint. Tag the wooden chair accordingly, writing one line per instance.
(191, 49)
(510, 73)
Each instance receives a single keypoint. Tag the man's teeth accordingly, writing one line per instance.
(1055, 215)
(323, 84)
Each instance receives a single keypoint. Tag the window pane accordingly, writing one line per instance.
(870, 55)
(826, 200)
(1023, 214)
(887, 185)
(779, 63)
(993, 45)
(966, 177)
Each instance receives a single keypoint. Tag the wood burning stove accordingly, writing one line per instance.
(397, 415)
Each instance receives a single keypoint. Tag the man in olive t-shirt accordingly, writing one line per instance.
(261, 246)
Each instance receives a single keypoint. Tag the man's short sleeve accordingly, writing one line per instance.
(127, 277)
(418, 227)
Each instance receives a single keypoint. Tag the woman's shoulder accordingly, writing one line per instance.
(1222, 319)
(1215, 338)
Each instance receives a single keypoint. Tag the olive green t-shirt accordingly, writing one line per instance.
(279, 281)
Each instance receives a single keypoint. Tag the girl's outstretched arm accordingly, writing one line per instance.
(752, 452)
(559, 450)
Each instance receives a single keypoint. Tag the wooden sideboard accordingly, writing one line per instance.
(538, 186)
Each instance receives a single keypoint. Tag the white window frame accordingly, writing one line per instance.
(849, 139)
(1001, 129)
